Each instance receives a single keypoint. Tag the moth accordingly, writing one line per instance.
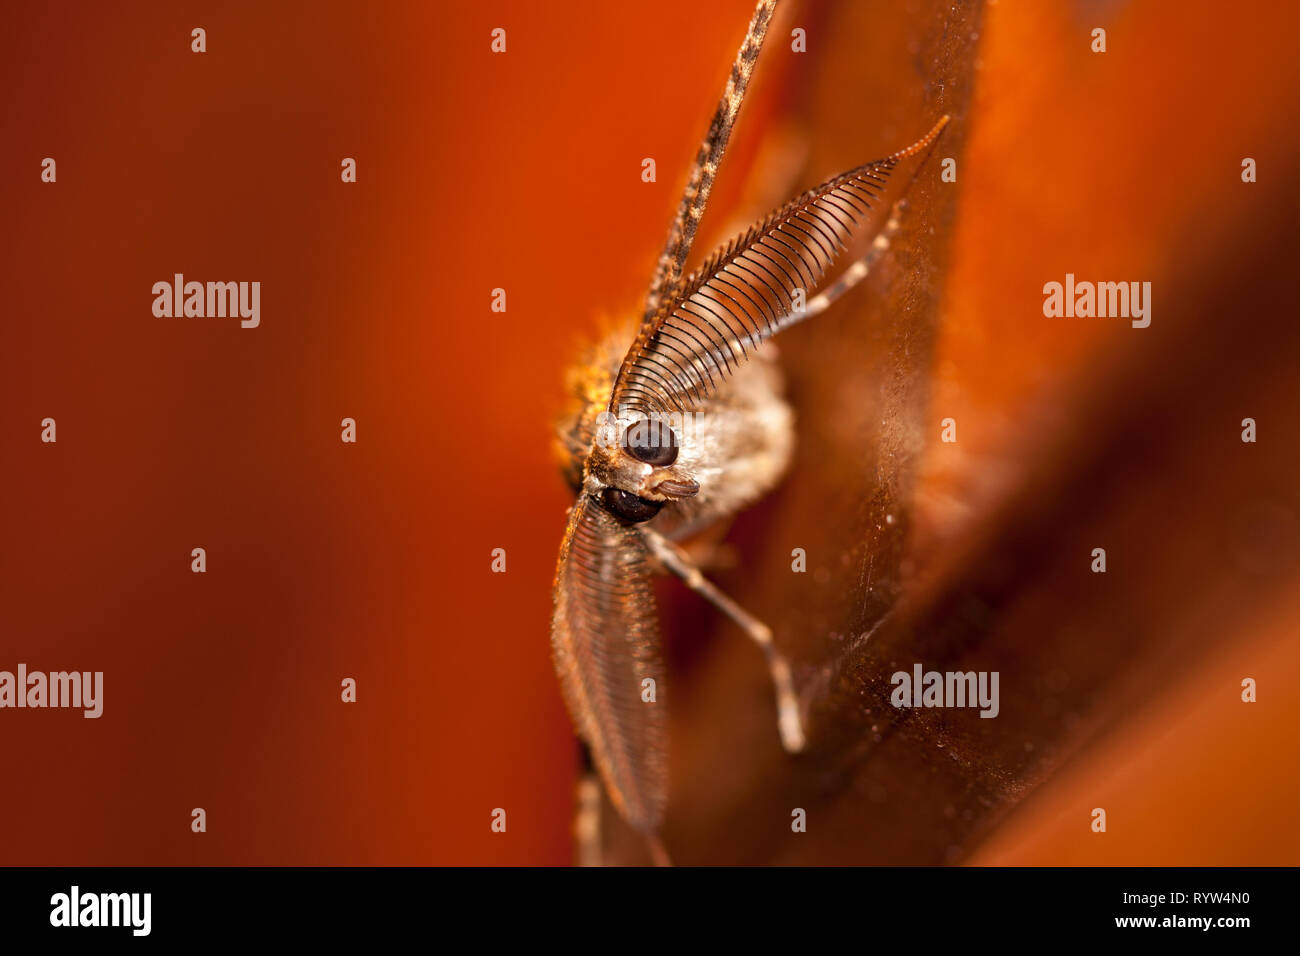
(680, 423)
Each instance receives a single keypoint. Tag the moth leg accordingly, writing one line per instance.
(860, 268)
(679, 563)
(658, 852)
(708, 549)
(586, 821)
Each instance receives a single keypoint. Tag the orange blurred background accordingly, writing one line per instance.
(476, 171)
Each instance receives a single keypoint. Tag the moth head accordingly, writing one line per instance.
(632, 467)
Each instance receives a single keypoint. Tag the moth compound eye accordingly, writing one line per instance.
(628, 506)
(651, 442)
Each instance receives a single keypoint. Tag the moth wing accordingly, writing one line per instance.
(605, 643)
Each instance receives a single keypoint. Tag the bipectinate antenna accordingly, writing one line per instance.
(699, 184)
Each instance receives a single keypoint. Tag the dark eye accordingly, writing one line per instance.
(652, 442)
(628, 506)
